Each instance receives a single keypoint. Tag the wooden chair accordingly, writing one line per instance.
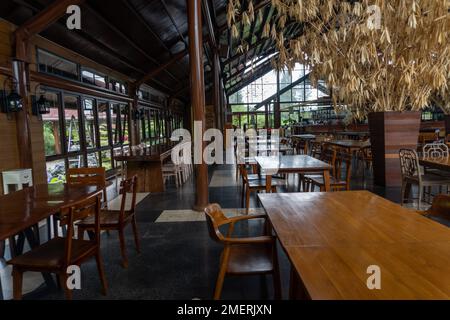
(169, 169)
(340, 179)
(255, 184)
(117, 219)
(56, 255)
(88, 176)
(440, 209)
(242, 256)
(411, 174)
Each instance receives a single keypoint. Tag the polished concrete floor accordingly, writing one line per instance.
(178, 259)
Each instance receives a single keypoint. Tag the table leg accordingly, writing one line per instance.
(326, 180)
(2, 253)
(268, 183)
(33, 240)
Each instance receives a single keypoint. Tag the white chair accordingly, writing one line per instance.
(18, 177)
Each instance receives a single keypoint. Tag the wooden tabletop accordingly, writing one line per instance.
(332, 238)
(437, 163)
(22, 209)
(304, 136)
(150, 154)
(349, 144)
(291, 163)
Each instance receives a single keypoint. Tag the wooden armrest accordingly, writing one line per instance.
(252, 240)
(249, 217)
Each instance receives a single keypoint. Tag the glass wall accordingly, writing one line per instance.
(248, 111)
(82, 131)
(156, 125)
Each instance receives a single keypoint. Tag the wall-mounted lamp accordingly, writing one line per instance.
(40, 105)
(11, 101)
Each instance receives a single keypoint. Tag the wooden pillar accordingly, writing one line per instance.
(21, 76)
(134, 124)
(276, 109)
(198, 95)
(216, 89)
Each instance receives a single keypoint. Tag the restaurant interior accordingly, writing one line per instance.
(327, 122)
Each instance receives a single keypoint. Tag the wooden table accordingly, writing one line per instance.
(304, 136)
(350, 145)
(25, 208)
(22, 210)
(293, 164)
(436, 163)
(146, 164)
(332, 238)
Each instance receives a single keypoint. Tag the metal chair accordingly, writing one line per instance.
(411, 174)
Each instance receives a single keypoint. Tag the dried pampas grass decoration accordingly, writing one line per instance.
(377, 55)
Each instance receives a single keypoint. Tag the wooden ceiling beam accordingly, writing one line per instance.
(126, 38)
(152, 73)
(163, 2)
(38, 23)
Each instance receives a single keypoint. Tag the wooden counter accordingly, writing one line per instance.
(146, 164)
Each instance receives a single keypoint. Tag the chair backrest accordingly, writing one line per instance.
(79, 210)
(435, 151)
(409, 163)
(328, 155)
(88, 176)
(215, 218)
(127, 186)
(243, 171)
(344, 159)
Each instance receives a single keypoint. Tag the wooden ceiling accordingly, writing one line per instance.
(135, 37)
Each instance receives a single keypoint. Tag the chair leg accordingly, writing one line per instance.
(420, 198)
(242, 194)
(17, 283)
(247, 201)
(276, 276)
(63, 282)
(101, 273)
(221, 276)
(80, 233)
(136, 234)
(402, 193)
(123, 249)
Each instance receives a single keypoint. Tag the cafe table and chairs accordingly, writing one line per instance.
(23, 210)
(287, 164)
(59, 253)
(411, 174)
(335, 242)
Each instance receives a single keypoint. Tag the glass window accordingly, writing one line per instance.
(51, 63)
(93, 160)
(124, 123)
(99, 81)
(56, 171)
(76, 162)
(115, 123)
(102, 108)
(71, 120)
(89, 123)
(51, 125)
(87, 77)
(106, 159)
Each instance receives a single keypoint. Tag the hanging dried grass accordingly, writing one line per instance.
(399, 66)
